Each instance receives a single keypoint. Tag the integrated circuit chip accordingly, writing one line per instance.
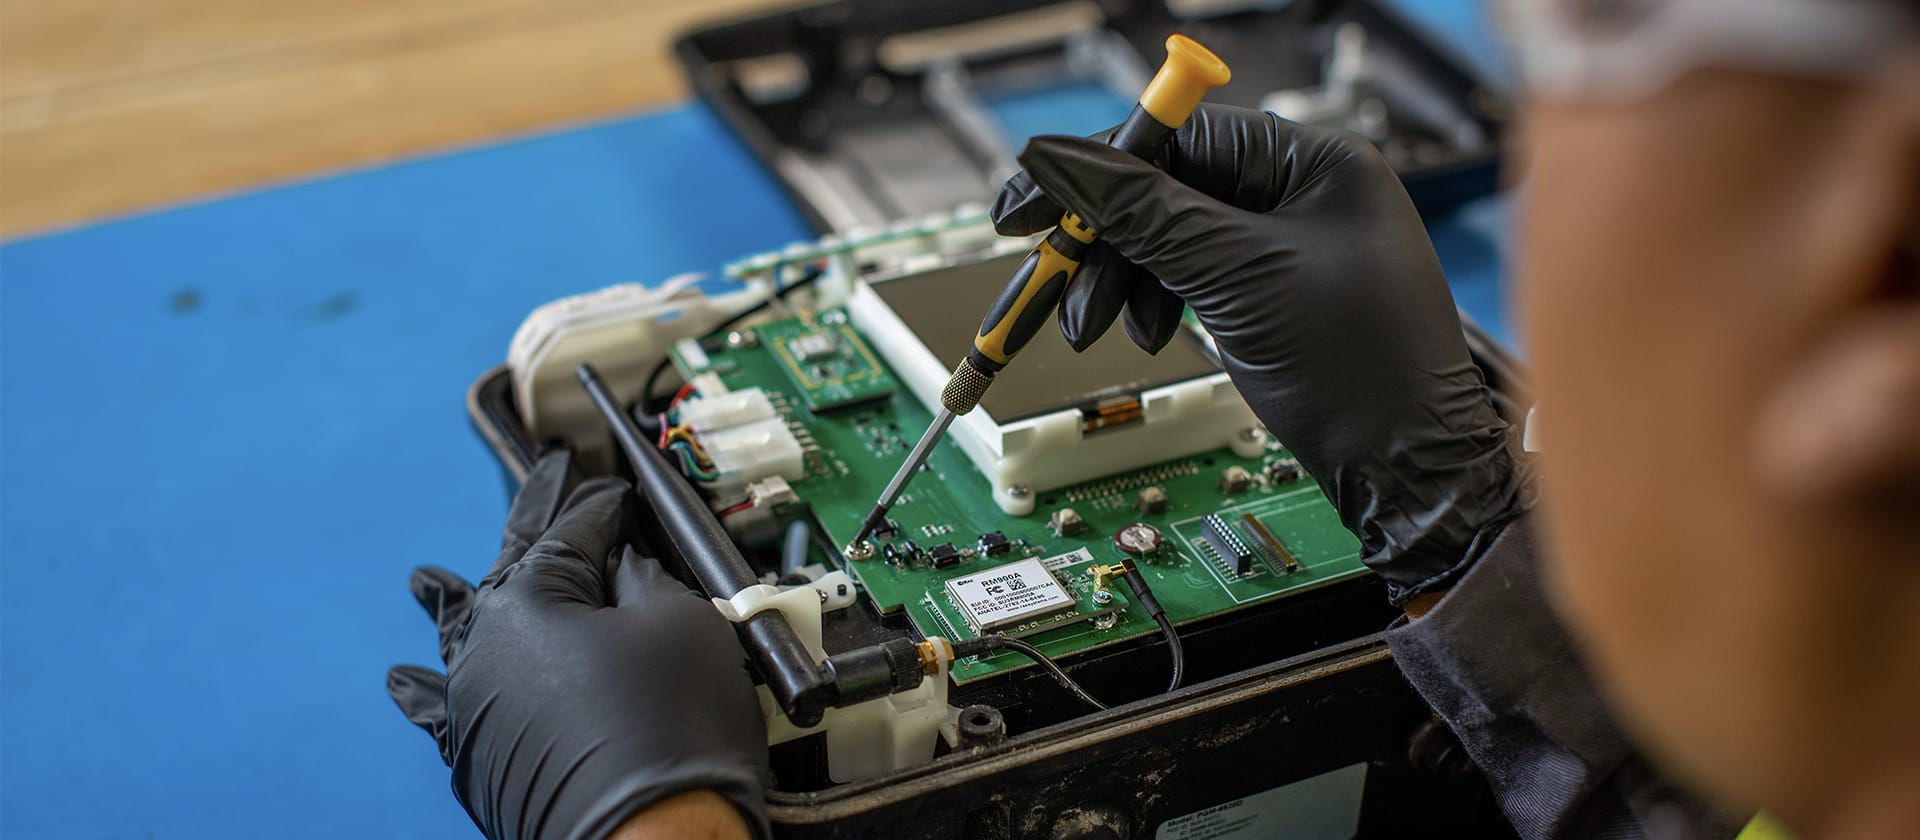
(814, 346)
(830, 364)
(1008, 595)
(944, 555)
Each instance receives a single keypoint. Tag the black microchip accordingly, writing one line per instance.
(888, 529)
(994, 544)
(944, 555)
(1283, 471)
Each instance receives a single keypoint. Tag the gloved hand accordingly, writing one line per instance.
(1301, 253)
(584, 684)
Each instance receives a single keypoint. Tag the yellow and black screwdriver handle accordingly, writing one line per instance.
(1026, 305)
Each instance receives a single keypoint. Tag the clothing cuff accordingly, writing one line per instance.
(1494, 662)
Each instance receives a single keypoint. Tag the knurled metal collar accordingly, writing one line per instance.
(965, 389)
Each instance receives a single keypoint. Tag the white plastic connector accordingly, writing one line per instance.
(760, 521)
(622, 330)
(691, 353)
(772, 492)
(753, 451)
(709, 385)
(725, 411)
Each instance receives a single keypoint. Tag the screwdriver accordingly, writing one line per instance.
(1026, 305)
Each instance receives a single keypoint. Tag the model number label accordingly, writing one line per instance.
(1078, 557)
(1323, 807)
(1009, 594)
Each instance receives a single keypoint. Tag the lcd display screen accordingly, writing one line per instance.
(944, 307)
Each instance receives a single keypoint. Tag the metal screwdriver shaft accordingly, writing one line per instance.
(915, 459)
(1026, 305)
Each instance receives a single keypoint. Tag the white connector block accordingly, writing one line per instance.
(754, 451)
(738, 408)
(621, 330)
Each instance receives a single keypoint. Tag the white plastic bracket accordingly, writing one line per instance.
(800, 605)
(876, 736)
(865, 739)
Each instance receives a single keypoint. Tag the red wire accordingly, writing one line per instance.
(684, 392)
(664, 429)
(736, 508)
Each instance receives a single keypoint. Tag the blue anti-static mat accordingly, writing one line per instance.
(228, 431)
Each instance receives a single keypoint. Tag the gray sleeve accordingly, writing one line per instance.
(1495, 663)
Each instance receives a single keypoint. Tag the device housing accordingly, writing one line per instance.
(868, 111)
(1293, 701)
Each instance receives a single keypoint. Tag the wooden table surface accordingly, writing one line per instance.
(109, 107)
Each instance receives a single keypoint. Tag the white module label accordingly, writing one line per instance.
(1078, 559)
(1008, 595)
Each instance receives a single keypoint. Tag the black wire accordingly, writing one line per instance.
(970, 647)
(1174, 648)
(651, 404)
(1143, 595)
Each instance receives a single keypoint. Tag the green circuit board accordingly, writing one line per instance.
(857, 429)
(829, 365)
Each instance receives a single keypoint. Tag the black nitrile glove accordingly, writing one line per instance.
(584, 684)
(1300, 251)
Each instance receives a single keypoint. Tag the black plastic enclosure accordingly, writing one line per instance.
(1279, 692)
(870, 111)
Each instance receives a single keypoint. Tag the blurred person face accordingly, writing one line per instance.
(1718, 283)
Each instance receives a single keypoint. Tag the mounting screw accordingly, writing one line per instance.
(1019, 491)
(1249, 442)
(857, 551)
(742, 338)
(1102, 597)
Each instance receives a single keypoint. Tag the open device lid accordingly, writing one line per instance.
(869, 111)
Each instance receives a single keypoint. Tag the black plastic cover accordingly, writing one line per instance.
(870, 111)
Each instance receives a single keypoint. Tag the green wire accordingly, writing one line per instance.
(690, 463)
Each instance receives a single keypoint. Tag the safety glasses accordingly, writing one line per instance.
(1628, 49)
